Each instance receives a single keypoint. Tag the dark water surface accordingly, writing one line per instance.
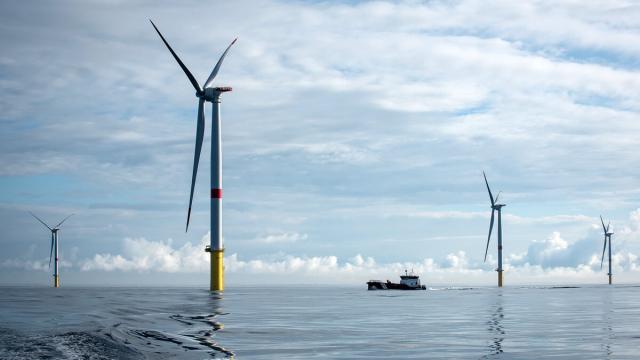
(591, 322)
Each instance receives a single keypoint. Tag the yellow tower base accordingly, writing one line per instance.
(217, 270)
(56, 281)
(499, 278)
(610, 278)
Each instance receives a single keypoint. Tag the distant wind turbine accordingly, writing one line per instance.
(212, 95)
(54, 244)
(607, 235)
(495, 207)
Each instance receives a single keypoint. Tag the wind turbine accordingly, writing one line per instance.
(212, 95)
(607, 235)
(54, 244)
(495, 207)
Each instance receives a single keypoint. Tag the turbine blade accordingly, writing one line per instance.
(217, 67)
(51, 252)
(498, 196)
(603, 227)
(175, 56)
(63, 220)
(609, 223)
(43, 223)
(493, 212)
(488, 189)
(196, 156)
(603, 249)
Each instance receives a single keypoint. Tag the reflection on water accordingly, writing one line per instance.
(196, 331)
(496, 328)
(204, 335)
(607, 329)
(190, 326)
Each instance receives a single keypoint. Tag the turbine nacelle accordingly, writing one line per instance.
(212, 94)
(498, 206)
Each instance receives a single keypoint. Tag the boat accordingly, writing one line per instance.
(408, 281)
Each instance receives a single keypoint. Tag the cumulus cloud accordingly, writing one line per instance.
(552, 259)
(331, 269)
(282, 237)
(144, 255)
(557, 254)
(629, 230)
(549, 260)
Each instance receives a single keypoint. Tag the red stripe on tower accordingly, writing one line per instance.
(216, 193)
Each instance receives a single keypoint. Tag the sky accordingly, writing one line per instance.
(354, 140)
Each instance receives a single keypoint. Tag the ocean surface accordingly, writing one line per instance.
(589, 322)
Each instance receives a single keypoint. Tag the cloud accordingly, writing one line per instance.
(144, 255)
(551, 257)
(455, 267)
(281, 238)
(630, 230)
(551, 260)
(327, 152)
(39, 265)
(447, 214)
(386, 209)
(556, 253)
(552, 219)
(330, 269)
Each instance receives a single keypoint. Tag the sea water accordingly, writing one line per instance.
(297, 322)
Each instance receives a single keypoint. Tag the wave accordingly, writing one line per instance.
(67, 345)
(118, 341)
(550, 287)
(452, 288)
(196, 337)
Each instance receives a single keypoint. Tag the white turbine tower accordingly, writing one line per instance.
(212, 95)
(54, 245)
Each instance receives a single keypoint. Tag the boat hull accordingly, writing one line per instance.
(380, 285)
